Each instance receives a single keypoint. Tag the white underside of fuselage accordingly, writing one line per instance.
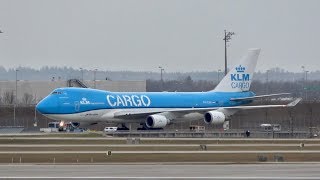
(107, 115)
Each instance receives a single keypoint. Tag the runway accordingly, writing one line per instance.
(162, 171)
(159, 152)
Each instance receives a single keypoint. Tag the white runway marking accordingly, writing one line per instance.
(154, 177)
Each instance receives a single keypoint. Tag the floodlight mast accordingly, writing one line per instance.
(227, 38)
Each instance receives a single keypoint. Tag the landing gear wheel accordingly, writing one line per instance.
(123, 127)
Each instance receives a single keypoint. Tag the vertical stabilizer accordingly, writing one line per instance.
(239, 77)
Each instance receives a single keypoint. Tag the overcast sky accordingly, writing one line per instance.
(140, 35)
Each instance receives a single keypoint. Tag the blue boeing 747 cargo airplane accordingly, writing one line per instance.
(86, 106)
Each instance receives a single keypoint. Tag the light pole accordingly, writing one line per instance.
(267, 82)
(219, 70)
(107, 76)
(81, 69)
(305, 78)
(306, 89)
(227, 38)
(94, 77)
(35, 122)
(161, 78)
(161, 70)
(15, 99)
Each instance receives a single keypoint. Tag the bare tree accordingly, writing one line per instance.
(1, 99)
(8, 97)
(27, 98)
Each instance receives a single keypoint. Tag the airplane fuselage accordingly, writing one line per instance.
(82, 104)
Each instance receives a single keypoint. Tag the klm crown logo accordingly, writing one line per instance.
(84, 101)
(240, 75)
(240, 69)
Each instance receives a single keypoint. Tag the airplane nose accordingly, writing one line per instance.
(47, 105)
(41, 106)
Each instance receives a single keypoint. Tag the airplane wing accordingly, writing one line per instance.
(256, 97)
(142, 113)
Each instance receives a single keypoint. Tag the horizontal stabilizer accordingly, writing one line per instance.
(256, 97)
(294, 103)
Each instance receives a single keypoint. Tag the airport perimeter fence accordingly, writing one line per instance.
(207, 134)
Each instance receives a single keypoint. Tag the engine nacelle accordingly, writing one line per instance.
(214, 117)
(156, 121)
(75, 124)
(82, 124)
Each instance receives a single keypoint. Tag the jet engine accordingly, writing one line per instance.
(75, 124)
(156, 121)
(214, 117)
(82, 124)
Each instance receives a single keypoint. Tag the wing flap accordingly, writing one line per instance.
(256, 97)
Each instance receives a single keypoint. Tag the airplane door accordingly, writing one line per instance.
(221, 103)
(76, 106)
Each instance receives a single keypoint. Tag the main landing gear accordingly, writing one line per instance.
(144, 127)
(123, 127)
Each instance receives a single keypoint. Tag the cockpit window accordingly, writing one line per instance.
(56, 92)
